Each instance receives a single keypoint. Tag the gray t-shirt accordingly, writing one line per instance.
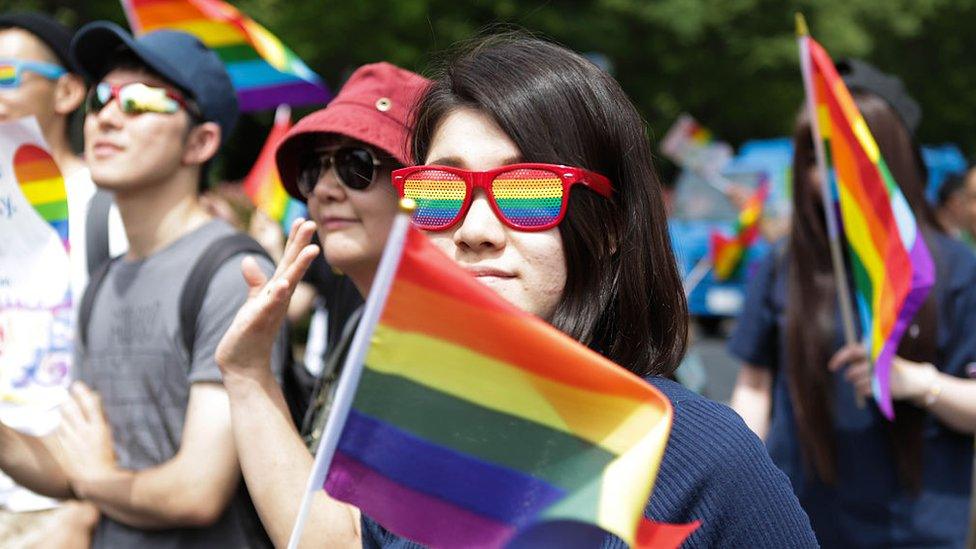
(136, 360)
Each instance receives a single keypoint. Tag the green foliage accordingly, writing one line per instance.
(731, 63)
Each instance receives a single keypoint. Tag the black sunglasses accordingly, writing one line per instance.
(356, 168)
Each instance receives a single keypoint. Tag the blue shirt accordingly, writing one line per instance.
(868, 507)
(714, 470)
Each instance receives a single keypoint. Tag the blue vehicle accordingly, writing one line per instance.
(701, 206)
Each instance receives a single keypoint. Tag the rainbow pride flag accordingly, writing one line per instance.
(892, 268)
(42, 185)
(263, 185)
(475, 424)
(727, 252)
(264, 71)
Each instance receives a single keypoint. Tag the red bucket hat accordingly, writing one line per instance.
(374, 106)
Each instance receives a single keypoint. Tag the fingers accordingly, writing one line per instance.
(253, 275)
(298, 239)
(846, 355)
(89, 401)
(860, 375)
(297, 269)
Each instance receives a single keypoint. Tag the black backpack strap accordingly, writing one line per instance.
(198, 282)
(96, 230)
(88, 298)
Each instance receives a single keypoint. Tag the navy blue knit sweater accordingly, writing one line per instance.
(714, 470)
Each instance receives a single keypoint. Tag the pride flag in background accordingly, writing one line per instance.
(727, 252)
(264, 71)
(892, 267)
(475, 424)
(263, 185)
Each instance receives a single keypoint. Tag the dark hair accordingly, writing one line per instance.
(124, 59)
(623, 295)
(954, 182)
(811, 307)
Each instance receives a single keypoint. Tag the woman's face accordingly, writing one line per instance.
(526, 268)
(352, 224)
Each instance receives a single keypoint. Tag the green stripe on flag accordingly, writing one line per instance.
(561, 459)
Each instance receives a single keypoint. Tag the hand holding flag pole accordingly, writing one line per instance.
(833, 224)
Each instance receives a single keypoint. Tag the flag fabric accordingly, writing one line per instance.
(892, 267)
(727, 252)
(263, 184)
(264, 71)
(477, 424)
(43, 186)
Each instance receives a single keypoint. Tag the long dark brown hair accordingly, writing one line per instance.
(623, 294)
(812, 303)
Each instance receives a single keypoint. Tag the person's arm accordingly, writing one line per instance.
(33, 462)
(951, 399)
(190, 490)
(274, 460)
(752, 397)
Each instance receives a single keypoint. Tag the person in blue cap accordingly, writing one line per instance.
(146, 435)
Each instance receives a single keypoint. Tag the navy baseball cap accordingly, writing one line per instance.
(177, 56)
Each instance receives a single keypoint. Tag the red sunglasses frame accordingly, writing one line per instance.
(170, 93)
(569, 175)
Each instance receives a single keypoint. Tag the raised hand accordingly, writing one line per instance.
(246, 347)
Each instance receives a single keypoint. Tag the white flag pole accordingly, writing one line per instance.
(833, 226)
(353, 367)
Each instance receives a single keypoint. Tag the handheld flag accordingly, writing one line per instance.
(263, 184)
(891, 265)
(264, 71)
(727, 252)
(477, 424)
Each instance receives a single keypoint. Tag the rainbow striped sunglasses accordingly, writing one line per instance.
(12, 71)
(526, 197)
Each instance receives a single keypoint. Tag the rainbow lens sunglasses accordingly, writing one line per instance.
(12, 71)
(137, 98)
(526, 197)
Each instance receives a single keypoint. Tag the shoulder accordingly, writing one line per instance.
(958, 263)
(717, 471)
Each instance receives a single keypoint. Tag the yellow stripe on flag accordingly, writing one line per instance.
(44, 191)
(449, 368)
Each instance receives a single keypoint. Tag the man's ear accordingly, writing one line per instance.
(69, 93)
(202, 144)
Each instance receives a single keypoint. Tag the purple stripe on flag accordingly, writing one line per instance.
(296, 94)
(409, 513)
(923, 278)
(503, 494)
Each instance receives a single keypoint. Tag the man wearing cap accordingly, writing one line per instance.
(42, 82)
(150, 442)
(339, 160)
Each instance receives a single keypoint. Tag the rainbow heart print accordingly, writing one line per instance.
(42, 185)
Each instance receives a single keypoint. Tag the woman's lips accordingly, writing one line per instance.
(489, 273)
(336, 223)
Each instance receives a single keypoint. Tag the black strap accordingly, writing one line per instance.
(95, 281)
(96, 230)
(198, 282)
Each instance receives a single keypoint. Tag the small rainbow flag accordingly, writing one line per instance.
(263, 185)
(727, 252)
(475, 424)
(264, 71)
(42, 185)
(892, 267)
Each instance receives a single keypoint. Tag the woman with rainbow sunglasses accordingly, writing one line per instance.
(537, 179)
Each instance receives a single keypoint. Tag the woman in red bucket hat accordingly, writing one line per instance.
(338, 160)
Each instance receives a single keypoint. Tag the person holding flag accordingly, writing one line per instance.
(601, 270)
(865, 481)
